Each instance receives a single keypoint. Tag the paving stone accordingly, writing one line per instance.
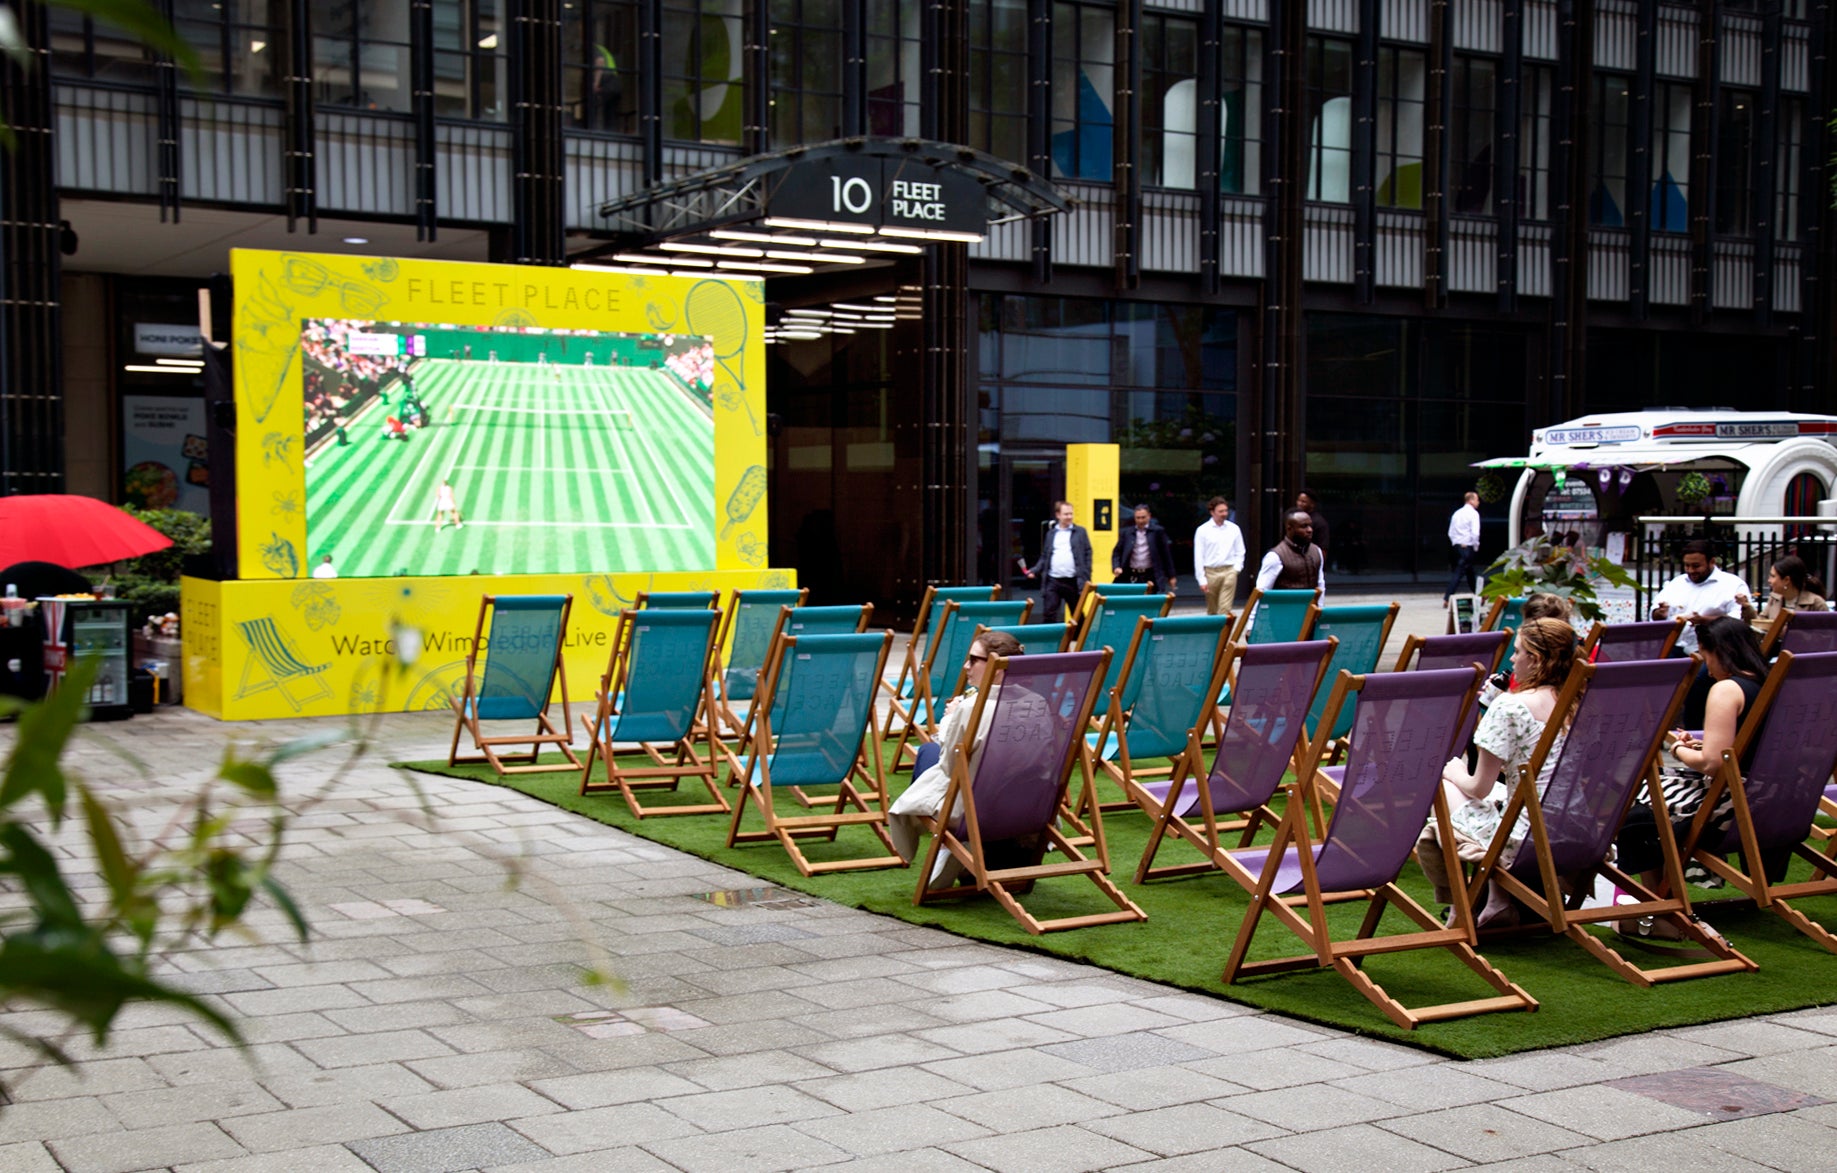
(1244, 1033)
(999, 1035)
(380, 1047)
(1679, 1152)
(751, 1070)
(1126, 1051)
(318, 1088)
(1749, 1037)
(1787, 1142)
(869, 1053)
(27, 1156)
(746, 1150)
(146, 1148)
(190, 1103)
(603, 1128)
(1485, 1133)
(1543, 1070)
(1364, 1147)
(53, 1119)
(1236, 1160)
(630, 1159)
(98, 1077)
(447, 1149)
(1605, 1113)
(1428, 1088)
(908, 1161)
(303, 1127)
(1040, 1106)
(889, 1130)
(1065, 1149)
(1109, 1019)
(331, 1158)
(751, 1107)
(1008, 1069)
(599, 1089)
(1144, 1088)
(886, 1088)
(473, 1105)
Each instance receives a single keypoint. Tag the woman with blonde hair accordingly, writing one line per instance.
(1506, 737)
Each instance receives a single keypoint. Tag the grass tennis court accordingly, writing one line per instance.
(555, 468)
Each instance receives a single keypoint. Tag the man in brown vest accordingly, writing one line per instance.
(1296, 563)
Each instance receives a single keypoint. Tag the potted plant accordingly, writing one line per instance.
(1539, 567)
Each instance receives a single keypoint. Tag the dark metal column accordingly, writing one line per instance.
(1506, 171)
(31, 364)
(166, 112)
(1639, 162)
(1708, 95)
(1439, 106)
(1570, 161)
(538, 162)
(1039, 122)
(299, 167)
(1126, 147)
(854, 68)
(650, 89)
(1280, 450)
(1364, 151)
(421, 81)
(1816, 241)
(756, 77)
(1206, 153)
(1766, 172)
(948, 421)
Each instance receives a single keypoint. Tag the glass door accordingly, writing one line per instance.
(1030, 483)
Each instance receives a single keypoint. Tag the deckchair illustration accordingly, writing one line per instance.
(1609, 643)
(918, 713)
(1401, 734)
(271, 654)
(815, 726)
(1000, 812)
(1276, 683)
(746, 633)
(923, 629)
(1158, 703)
(1615, 716)
(1795, 718)
(1434, 653)
(523, 668)
(657, 692)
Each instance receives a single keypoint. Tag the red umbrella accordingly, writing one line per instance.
(71, 531)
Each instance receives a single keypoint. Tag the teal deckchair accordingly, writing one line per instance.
(657, 691)
(1506, 613)
(902, 685)
(522, 670)
(1158, 707)
(850, 619)
(678, 600)
(1109, 590)
(1276, 616)
(1036, 639)
(746, 633)
(816, 727)
(956, 630)
(1111, 623)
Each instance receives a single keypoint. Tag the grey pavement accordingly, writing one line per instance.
(441, 1019)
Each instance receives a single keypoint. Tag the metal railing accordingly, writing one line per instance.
(1744, 546)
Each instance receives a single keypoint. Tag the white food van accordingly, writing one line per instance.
(1588, 479)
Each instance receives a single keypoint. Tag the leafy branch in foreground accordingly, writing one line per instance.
(197, 878)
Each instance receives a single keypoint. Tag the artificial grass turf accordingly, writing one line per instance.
(1193, 921)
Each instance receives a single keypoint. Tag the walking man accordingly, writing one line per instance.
(1296, 563)
(1218, 556)
(1464, 546)
(1065, 563)
(1144, 553)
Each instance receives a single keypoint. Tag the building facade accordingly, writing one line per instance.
(1350, 245)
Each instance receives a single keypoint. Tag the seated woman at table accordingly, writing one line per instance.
(1732, 657)
(1505, 739)
(1790, 587)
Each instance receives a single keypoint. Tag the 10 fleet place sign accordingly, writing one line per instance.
(882, 193)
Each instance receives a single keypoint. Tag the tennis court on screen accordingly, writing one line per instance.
(554, 468)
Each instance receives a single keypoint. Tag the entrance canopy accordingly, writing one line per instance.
(822, 207)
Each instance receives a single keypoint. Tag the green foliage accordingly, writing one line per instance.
(88, 959)
(1692, 488)
(1538, 567)
(150, 583)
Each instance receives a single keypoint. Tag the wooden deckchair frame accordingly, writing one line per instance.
(730, 621)
(747, 729)
(1754, 884)
(1081, 634)
(1593, 639)
(850, 808)
(466, 717)
(1080, 611)
(1776, 631)
(1305, 913)
(1167, 818)
(661, 772)
(1007, 884)
(918, 645)
(1556, 911)
(1413, 644)
(1336, 748)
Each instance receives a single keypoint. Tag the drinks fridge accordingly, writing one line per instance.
(80, 628)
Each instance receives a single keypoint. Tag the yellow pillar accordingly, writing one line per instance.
(1091, 472)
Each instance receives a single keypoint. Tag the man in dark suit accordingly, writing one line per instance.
(1064, 565)
(1144, 553)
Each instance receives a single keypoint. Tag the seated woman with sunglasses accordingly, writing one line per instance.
(910, 812)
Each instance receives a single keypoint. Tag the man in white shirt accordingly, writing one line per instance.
(1464, 543)
(1295, 563)
(1065, 563)
(1218, 556)
(325, 569)
(1701, 592)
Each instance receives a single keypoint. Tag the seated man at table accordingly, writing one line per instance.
(1701, 593)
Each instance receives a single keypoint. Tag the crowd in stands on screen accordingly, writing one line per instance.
(694, 367)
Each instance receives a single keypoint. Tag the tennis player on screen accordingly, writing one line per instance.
(446, 508)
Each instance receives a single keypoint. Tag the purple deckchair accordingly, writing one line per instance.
(1011, 790)
(1795, 718)
(1616, 643)
(1276, 684)
(1436, 653)
(1401, 731)
(1810, 631)
(1616, 716)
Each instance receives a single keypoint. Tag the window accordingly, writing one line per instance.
(599, 43)
(1170, 101)
(1470, 136)
(894, 67)
(1786, 170)
(1670, 206)
(1735, 163)
(1534, 144)
(82, 48)
(470, 59)
(998, 78)
(1607, 191)
(238, 44)
(1400, 104)
(703, 70)
(1083, 88)
(360, 54)
(806, 43)
(1330, 120)
(1241, 112)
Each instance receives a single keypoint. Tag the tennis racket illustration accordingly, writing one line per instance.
(713, 309)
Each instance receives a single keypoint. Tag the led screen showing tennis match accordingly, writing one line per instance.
(438, 449)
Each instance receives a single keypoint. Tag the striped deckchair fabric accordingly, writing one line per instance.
(271, 652)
